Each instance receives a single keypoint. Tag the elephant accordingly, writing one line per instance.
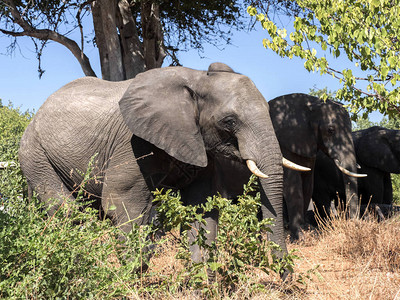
(303, 125)
(378, 154)
(166, 127)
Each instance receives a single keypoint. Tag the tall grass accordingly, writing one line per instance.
(356, 258)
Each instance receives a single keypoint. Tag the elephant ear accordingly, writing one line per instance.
(160, 107)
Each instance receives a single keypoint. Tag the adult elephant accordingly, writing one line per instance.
(378, 154)
(303, 125)
(165, 128)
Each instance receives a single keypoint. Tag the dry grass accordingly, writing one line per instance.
(355, 259)
(358, 259)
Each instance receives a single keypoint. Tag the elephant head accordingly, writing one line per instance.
(194, 115)
(305, 124)
(379, 148)
(320, 125)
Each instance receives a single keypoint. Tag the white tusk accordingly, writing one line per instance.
(347, 172)
(253, 168)
(291, 165)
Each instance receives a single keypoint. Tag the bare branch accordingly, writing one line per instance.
(78, 18)
(46, 34)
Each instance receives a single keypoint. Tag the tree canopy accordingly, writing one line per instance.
(131, 35)
(365, 31)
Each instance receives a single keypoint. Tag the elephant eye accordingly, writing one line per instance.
(229, 122)
(331, 130)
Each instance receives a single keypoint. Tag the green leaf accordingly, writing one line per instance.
(374, 3)
(112, 207)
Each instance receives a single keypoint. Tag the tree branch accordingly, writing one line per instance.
(46, 34)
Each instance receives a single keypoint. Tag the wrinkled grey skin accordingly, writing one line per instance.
(185, 118)
(378, 154)
(303, 125)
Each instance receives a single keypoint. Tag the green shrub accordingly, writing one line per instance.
(71, 254)
(12, 125)
(67, 257)
(240, 249)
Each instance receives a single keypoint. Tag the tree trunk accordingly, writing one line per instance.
(122, 55)
(107, 39)
(153, 41)
(132, 50)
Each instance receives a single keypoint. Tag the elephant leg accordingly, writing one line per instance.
(375, 187)
(43, 178)
(352, 200)
(322, 205)
(195, 194)
(126, 197)
(293, 195)
(387, 189)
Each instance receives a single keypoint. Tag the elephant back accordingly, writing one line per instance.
(78, 121)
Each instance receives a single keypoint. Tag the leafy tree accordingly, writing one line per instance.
(362, 123)
(366, 31)
(391, 123)
(321, 93)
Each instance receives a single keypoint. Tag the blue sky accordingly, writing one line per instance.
(274, 76)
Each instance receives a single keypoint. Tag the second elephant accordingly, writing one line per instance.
(303, 125)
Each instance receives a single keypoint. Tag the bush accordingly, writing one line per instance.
(12, 125)
(69, 257)
(240, 249)
(71, 254)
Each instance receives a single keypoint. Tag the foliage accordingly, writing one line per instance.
(191, 24)
(362, 123)
(365, 31)
(186, 24)
(136, 34)
(69, 255)
(240, 245)
(321, 93)
(391, 123)
(12, 125)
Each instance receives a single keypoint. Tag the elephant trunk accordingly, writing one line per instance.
(272, 207)
(264, 151)
(347, 164)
